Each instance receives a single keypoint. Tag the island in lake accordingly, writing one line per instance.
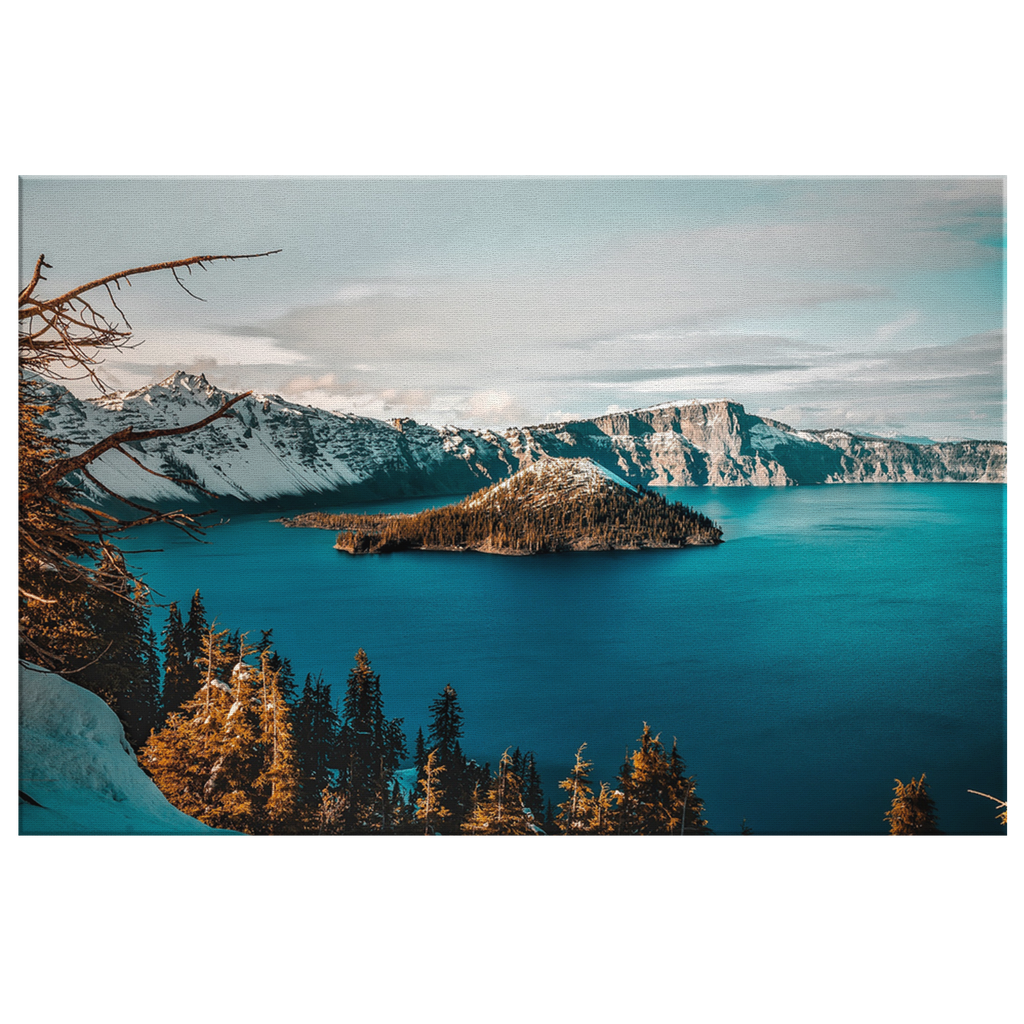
(550, 505)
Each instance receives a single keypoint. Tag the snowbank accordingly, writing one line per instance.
(77, 773)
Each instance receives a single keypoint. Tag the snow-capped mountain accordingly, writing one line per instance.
(269, 448)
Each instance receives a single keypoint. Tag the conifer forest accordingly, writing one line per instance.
(231, 738)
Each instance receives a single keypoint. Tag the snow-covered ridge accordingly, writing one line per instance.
(553, 480)
(568, 474)
(269, 448)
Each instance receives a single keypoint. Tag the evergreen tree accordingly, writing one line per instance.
(656, 796)
(583, 815)
(445, 724)
(179, 674)
(430, 809)
(444, 735)
(499, 810)
(152, 684)
(195, 630)
(278, 782)
(282, 666)
(603, 820)
(913, 810)
(142, 703)
(370, 749)
(316, 727)
(217, 654)
(181, 757)
(420, 756)
(533, 794)
(120, 671)
(229, 789)
(692, 812)
(576, 815)
(227, 757)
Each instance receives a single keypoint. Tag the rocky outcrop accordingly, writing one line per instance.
(273, 449)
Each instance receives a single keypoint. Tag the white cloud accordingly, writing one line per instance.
(886, 331)
(181, 348)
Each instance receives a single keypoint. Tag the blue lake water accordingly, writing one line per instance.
(840, 638)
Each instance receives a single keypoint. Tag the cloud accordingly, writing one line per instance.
(643, 375)
(179, 348)
(886, 331)
(672, 281)
(494, 407)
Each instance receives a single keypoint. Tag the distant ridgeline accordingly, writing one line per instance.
(550, 505)
(270, 449)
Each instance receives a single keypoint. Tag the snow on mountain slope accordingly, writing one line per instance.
(270, 448)
(267, 447)
(556, 479)
(77, 771)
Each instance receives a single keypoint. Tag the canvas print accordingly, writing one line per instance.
(512, 506)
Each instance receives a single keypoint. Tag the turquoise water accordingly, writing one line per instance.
(841, 637)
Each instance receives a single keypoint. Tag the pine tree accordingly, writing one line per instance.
(913, 810)
(691, 813)
(533, 794)
(181, 757)
(214, 655)
(499, 811)
(195, 630)
(420, 756)
(178, 673)
(444, 735)
(229, 790)
(227, 757)
(370, 749)
(120, 671)
(316, 727)
(653, 804)
(603, 818)
(141, 712)
(151, 684)
(430, 808)
(576, 815)
(445, 724)
(282, 666)
(278, 781)
(656, 796)
(142, 703)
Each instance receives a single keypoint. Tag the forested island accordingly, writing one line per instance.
(551, 505)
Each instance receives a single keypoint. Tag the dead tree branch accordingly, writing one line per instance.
(60, 530)
(71, 463)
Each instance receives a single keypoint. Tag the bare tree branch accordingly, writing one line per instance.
(123, 275)
(62, 467)
(36, 278)
(60, 532)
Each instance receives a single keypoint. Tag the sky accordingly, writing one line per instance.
(870, 304)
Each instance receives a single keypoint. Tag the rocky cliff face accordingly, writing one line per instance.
(270, 448)
(719, 444)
